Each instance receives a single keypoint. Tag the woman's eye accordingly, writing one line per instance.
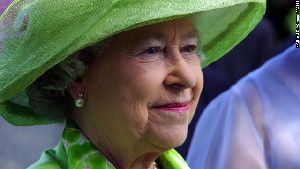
(153, 50)
(189, 49)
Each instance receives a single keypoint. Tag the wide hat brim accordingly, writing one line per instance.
(56, 29)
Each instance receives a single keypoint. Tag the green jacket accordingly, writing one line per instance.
(75, 151)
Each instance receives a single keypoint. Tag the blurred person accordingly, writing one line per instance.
(255, 124)
(250, 54)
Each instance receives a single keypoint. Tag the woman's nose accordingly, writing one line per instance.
(180, 74)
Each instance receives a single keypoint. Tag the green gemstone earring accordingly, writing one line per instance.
(79, 102)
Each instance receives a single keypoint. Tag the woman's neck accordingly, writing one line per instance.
(145, 161)
(131, 156)
(135, 157)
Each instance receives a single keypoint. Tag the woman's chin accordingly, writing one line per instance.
(167, 137)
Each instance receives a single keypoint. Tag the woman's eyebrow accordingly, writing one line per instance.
(152, 36)
(150, 39)
(160, 37)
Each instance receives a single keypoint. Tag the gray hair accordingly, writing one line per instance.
(47, 95)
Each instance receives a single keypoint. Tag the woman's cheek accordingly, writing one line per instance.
(146, 80)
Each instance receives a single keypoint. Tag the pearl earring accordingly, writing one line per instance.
(79, 102)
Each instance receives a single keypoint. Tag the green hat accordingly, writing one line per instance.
(37, 34)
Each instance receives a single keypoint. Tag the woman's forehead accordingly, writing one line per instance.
(183, 27)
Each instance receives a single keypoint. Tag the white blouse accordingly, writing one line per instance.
(256, 123)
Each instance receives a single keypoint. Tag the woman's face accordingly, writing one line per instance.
(143, 90)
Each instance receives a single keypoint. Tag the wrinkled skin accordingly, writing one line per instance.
(140, 70)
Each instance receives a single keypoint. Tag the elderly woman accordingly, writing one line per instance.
(126, 74)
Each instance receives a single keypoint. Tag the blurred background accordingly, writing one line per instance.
(22, 146)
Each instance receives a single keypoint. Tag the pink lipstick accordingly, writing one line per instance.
(174, 107)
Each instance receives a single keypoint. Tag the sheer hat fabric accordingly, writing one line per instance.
(35, 35)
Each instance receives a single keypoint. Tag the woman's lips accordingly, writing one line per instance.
(174, 107)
